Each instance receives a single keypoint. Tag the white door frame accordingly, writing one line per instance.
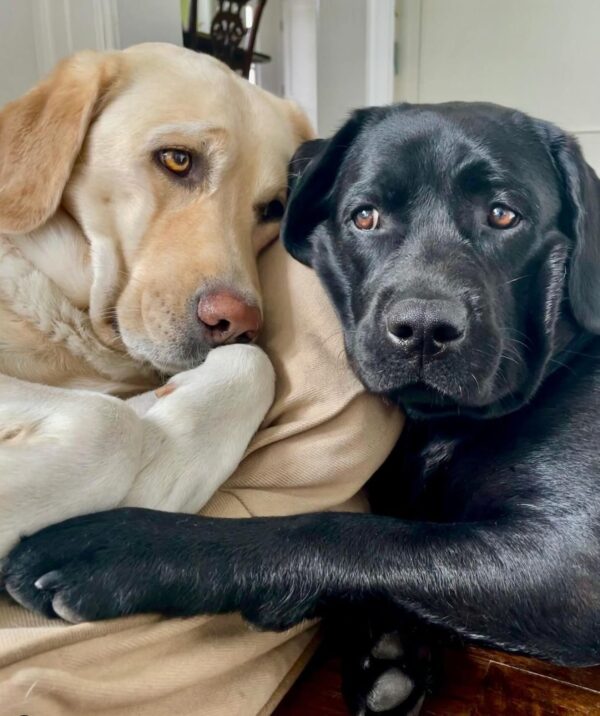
(380, 51)
(300, 28)
(300, 19)
(410, 25)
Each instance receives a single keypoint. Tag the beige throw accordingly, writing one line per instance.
(321, 441)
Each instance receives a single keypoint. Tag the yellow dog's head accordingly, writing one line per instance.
(175, 169)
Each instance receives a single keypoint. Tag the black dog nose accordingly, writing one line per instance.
(427, 326)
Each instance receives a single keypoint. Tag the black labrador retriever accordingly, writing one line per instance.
(460, 244)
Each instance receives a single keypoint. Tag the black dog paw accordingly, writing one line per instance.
(99, 566)
(77, 592)
(131, 561)
(391, 677)
(21, 587)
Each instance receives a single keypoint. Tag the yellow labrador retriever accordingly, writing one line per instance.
(136, 190)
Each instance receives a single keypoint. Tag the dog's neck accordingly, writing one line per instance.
(61, 252)
(45, 284)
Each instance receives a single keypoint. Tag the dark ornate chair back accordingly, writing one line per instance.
(227, 32)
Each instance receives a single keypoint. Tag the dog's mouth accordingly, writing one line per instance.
(165, 362)
(422, 394)
(422, 399)
(407, 385)
(168, 358)
(438, 390)
(452, 377)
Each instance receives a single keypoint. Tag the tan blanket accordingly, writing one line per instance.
(321, 441)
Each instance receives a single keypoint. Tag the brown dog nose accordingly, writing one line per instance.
(227, 318)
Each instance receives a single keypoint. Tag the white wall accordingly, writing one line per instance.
(18, 63)
(338, 55)
(148, 20)
(341, 60)
(36, 34)
(300, 22)
(541, 56)
(270, 41)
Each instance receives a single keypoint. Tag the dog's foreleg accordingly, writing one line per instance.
(62, 453)
(197, 430)
(522, 584)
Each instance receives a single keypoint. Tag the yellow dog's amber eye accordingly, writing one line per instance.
(502, 217)
(178, 161)
(366, 218)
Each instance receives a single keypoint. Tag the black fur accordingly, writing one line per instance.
(496, 532)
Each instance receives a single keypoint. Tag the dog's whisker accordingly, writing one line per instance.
(514, 280)
(562, 365)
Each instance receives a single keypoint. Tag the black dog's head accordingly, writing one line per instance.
(460, 244)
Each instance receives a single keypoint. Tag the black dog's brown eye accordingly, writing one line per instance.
(502, 217)
(366, 219)
(273, 211)
(177, 161)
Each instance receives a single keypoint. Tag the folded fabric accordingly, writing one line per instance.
(321, 441)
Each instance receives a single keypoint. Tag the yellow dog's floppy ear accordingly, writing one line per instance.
(300, 121)
(41, 135)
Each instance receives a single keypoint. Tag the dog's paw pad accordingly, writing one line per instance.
(388, 647)
(390, 690)
(391, 677)
(165, 390)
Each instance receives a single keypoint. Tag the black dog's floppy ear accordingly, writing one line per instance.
(312, 174)
(582, 217)
(301, 160)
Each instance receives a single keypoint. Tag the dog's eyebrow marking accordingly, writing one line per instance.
(478, 168)
(193, 130)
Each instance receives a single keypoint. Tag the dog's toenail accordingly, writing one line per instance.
(48, 580)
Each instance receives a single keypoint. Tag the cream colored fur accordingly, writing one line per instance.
(101, 255)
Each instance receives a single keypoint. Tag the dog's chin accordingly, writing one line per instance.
(426, 393)
(169, 358)
(428, 399)
(422, 399)
(460, 383)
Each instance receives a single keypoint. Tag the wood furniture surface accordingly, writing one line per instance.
(475, 682)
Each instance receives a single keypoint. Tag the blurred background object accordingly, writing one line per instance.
(541, 56)
(233, 27)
